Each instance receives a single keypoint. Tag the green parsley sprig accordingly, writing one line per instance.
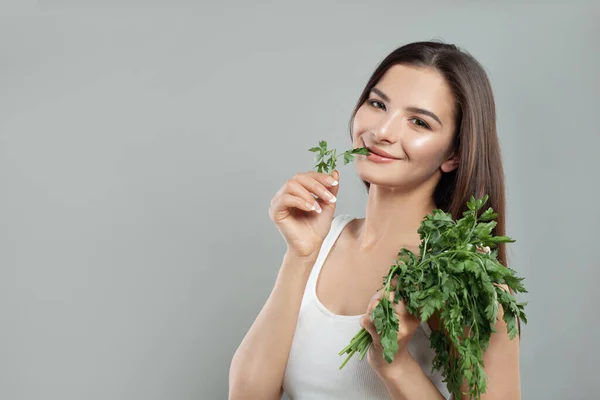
(453, 277)
(326, 160)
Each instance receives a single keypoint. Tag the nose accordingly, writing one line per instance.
(388, 129)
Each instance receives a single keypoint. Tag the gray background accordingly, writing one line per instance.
(140, 146)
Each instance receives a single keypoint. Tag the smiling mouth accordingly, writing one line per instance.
(382, 155)
(375, 152)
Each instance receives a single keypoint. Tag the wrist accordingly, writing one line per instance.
(297, 266)
(300, 260)
(294, 271)
(403, 364)
(405, 379)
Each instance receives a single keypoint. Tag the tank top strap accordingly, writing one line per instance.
(337, 225)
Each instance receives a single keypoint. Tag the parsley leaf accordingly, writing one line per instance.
(326, 160)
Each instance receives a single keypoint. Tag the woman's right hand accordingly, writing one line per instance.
(303, 220)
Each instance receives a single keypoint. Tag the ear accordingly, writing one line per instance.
(450, 164)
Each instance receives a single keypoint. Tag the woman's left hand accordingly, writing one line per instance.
(407, 326)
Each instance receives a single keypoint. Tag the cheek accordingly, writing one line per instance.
(356, 127)
(361, 122)
(425, 148)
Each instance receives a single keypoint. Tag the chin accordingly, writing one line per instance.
(381, 178)
(387, 176)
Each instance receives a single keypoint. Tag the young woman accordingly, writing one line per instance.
(427, 115)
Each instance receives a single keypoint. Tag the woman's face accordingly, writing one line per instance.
(409, 116)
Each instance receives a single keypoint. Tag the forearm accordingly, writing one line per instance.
(259, 363)
(408, 382)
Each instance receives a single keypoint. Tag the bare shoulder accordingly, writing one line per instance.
(349, 234)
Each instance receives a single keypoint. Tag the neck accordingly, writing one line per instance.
(393, 217)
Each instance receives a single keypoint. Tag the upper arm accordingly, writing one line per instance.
(501, 362)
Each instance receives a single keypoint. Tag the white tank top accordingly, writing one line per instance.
(312, 370)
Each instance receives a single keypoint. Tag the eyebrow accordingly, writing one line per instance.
(410, 109)
(380, 94)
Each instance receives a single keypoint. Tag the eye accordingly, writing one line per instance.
(376, 104)
(421, 123)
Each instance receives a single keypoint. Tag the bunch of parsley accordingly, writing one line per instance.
(453, 278)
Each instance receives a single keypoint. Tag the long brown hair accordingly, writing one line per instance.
(476, 143)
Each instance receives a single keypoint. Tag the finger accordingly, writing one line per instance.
(324, 179)
(308, 187)
(365, 322)
(315, 184)
(400, 308)
(295, 188)
(329, 181)
(391, 298)
(375, 299)
(335, 175)
(485, 249)
(280, 192)
(287, 202)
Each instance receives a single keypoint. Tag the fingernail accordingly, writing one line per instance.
(331, 197)
(333, 182)
(317, 207)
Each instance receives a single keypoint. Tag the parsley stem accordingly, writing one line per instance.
(360, 343)
(347, 359)
(472, 228)
(425, 247)
(389, 279)
(422, 263)
(356, 339)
